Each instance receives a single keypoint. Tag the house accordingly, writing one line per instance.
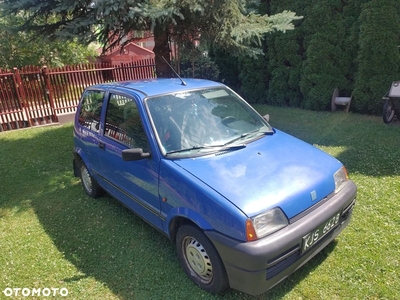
(132, 52)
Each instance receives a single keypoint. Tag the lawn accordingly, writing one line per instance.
(54, 236)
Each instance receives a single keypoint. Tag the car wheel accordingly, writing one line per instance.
(388, 112)
(90, 186)
(200, 259)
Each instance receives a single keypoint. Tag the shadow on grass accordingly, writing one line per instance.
(106, 241)
(102, 238)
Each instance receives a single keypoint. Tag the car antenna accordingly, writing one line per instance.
(173, 70)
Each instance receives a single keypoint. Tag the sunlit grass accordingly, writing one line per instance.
(52, 235)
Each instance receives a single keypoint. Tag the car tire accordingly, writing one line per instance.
(90, 185)
(200, 260)
(388, 112)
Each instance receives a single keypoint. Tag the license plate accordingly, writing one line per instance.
(314, 236)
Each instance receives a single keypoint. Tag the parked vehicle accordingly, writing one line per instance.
(391, 105)
(245, 203)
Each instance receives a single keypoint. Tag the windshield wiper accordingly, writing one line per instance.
(237, 138)
(225, 146)
(216, 147)
(249, 134)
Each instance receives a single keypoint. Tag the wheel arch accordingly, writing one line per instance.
(188, 218)
(79, 158)
(174, 225)
(76, 163)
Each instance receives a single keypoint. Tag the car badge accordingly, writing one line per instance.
(313, 195)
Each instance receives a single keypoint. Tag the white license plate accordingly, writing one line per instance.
(314, 236)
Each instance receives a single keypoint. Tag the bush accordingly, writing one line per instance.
(378, 56)
(196, 63)
(253, 77)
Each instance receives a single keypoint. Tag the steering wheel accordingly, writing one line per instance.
(228, 119)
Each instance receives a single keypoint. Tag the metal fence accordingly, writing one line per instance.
(34, 96)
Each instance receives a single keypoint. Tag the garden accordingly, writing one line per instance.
(55, 238)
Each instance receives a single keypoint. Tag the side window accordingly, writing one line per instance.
(91, 105)
(123, 122)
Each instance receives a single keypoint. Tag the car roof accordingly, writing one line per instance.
(157, 86)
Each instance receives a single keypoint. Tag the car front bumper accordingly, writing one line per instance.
(255, 267)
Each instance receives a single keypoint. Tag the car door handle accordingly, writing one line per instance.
(102, 145)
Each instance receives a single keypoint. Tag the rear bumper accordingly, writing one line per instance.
(255, 267)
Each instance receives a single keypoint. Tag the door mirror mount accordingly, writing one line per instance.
(134, 154)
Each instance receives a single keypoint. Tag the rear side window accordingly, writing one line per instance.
(123, 122)
(91, 106)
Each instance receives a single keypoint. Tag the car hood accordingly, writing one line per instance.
(275, 171)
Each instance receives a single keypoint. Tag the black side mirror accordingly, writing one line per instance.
(134, 154)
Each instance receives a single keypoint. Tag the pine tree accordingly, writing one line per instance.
(230, 24)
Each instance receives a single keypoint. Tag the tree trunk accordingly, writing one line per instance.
(161, 49)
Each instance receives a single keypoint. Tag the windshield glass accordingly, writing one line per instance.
(203, 120)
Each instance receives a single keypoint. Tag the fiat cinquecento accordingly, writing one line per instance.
(245, 203)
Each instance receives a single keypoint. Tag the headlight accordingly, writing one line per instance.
(265, 224)
(341, 178)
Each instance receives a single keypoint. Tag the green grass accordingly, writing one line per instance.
(53, 235)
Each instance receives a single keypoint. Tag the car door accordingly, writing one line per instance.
(88, 128)
(135, 183)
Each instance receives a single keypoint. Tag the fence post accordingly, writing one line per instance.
(21, 96)
(49, 93)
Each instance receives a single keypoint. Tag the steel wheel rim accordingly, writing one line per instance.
(197, 259)
(86, 179)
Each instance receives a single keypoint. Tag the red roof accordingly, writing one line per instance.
(130, 53)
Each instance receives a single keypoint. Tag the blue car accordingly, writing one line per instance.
(245, 204)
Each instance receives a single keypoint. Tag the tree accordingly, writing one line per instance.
(378, 56)
(228, 67)
(252, 78)
(26, 48)
(195, 62)
(285, 56)
(328, 55)
(233, 25)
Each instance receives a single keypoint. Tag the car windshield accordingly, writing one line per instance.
(196, 122)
